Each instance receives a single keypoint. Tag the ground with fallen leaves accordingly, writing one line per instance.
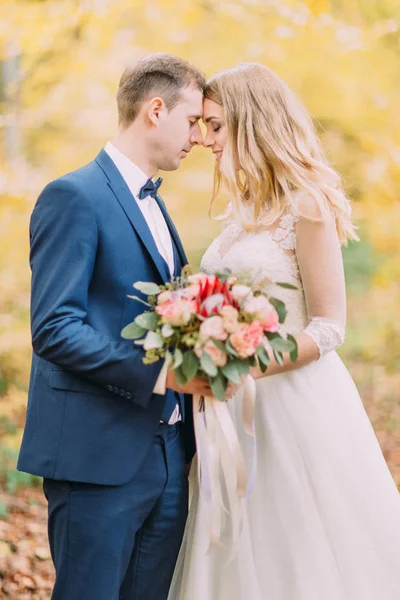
(26, 569)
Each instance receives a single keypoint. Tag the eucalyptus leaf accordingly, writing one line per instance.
(190, 365)
(147, 287)
(178, 358)
(208, 365)
(242, 366)
(278, 357)
(218, 386)
(281, 345)
(148, 320)
(263, 356)
(133, 331)
(169, 357)
(231, 349)
(252, 361)
(220, 345)
(287, 286)
(180, 377)
(280, 308)
(294, 354)
(230, 371)
(139, 300)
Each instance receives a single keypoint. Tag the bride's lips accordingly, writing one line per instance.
(217, 154)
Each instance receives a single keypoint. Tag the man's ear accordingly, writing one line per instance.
(155, 110)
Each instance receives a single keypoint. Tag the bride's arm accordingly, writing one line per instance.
(321, 268)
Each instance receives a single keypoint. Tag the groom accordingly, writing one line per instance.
(111, 446)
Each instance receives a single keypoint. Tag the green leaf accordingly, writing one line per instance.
(207, 365)
(146, 287)
(139, 300)
(230, 371)
(190, 365)
(180, 377)
(3, 510)
(218, 386)
(278, 357)
(252, 361)
(231, 349)
(242, 366)
(220, 345)
(133, 331)
(287, 286)
(281, 345)
(148, 320)
(280, 308)
(178, 358)
(263, 356)
(169, 357)
(294, 354)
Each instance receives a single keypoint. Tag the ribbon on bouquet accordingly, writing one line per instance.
(221, 467)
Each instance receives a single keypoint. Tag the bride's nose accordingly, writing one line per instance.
(208, 142)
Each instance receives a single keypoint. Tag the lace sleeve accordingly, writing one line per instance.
(321, 268)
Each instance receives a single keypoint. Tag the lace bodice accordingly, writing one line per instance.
(266, 256)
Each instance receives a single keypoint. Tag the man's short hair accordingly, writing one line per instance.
(163, 75)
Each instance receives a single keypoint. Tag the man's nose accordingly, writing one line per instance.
(197, 136)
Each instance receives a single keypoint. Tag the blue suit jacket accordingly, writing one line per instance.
(91, 412)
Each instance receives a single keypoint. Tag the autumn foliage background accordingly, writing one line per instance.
(60, 62)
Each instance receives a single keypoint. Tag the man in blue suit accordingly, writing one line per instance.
(111, 446)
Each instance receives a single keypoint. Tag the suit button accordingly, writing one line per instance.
(128, 395)
(110, 388)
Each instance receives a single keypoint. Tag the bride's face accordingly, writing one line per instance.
(217, 131)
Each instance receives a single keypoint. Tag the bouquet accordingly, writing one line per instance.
(210, 326)
(215, 327)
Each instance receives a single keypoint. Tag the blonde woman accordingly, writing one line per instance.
(323, 521)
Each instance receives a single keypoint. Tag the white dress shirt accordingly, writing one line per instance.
(135, 179)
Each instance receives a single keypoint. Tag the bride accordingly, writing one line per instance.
(323, 520)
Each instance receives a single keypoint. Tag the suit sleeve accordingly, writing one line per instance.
(64, 238)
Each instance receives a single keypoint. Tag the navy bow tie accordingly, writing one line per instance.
(150, 188)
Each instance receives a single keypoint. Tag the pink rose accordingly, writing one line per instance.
(190, 292)
(230, 316)
(213, 327)
(218, 357)
(258, 306)
(271, 321)
(164, 297)
(246, 339)
(176, 312)
(255, 333)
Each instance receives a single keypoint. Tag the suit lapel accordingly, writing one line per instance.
(132, 211)
(172, 230)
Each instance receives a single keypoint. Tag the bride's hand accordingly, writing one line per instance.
(197, 386)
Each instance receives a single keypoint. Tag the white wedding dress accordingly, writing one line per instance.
(323, 520)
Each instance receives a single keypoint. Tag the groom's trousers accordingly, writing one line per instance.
(121, 542)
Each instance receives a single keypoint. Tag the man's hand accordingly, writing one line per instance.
(196, 387)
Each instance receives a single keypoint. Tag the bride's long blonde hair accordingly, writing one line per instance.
(272, 151)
